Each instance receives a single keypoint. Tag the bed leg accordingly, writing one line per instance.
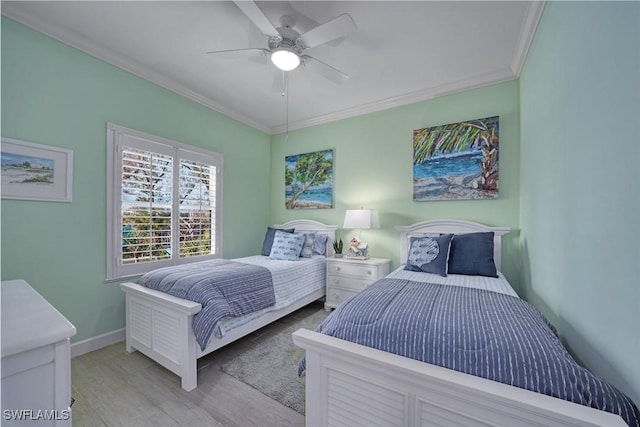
(190, 377)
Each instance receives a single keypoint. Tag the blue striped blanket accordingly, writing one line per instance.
(478, 332)
(223, 288)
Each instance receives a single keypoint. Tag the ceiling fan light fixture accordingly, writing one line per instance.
(285, 59)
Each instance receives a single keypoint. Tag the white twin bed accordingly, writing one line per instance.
(349, 384)
(159, 325)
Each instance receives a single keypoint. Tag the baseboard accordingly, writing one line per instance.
(96, 343)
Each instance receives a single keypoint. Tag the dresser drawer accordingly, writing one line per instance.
(364, 271)
(348, 282)
(336, 296)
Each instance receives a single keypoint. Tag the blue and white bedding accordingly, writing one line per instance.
(224, 288)
(292, 281)
(476, 331)
(499, 284)
(250, 297)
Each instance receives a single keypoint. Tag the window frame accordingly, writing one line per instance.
(117, 136)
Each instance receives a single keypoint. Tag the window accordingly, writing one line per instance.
(164, 203)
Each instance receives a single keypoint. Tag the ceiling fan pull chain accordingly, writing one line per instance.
(285, 76)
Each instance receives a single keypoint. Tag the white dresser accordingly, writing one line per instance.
(36, 359)
(346, 277)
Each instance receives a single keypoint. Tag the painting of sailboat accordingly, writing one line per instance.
(457, 161)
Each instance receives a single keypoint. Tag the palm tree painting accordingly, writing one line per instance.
(309, 180)
(456, 161)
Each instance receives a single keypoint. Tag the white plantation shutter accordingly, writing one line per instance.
(165, 203)
(146, 196)
(197, 208)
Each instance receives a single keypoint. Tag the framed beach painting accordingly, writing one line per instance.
(36, 172)
(457, 161)
(309, 180)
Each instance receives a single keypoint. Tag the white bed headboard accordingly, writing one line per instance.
(455, 226)
(311, 226)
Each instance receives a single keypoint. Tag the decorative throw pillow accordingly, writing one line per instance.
(472, 254)
(429, 254)
(286, 246)
(320, 244)
(268, 239)
(307, 248)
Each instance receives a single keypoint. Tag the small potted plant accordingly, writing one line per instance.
(337, 248)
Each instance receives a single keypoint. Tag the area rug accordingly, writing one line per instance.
(271, 366)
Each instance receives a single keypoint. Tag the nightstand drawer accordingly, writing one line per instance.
(348, 282)
(363, 271)
(336, 296)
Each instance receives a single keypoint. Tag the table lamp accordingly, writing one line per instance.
(360, 219)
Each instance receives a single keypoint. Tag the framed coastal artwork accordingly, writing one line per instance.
(36, 172)
(457, 161)
(309, 180)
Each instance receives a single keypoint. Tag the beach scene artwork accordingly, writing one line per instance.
(309, 180)
(35, 171)
(458, 161)
(26, 170)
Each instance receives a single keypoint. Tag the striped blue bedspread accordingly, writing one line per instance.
(478, 332)
(223, 288)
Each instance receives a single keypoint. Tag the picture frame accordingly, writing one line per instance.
(309, 180)
(457, 161)
(33, 171)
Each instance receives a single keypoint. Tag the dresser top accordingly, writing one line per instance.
(28, 320)
(368, 261)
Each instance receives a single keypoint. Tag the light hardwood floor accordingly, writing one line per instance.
(113, 388)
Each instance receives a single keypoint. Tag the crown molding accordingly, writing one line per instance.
(76, 41)
(499, 76)
(528, 31)
(532, 18)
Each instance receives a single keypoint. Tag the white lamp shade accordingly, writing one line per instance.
(361, 218)
(285, 59)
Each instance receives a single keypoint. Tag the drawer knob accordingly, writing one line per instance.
(369, 272)
(337, 268)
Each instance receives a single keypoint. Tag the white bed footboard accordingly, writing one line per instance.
(348, 384)
(159, 326)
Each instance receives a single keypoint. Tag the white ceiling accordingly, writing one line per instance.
(400, 53)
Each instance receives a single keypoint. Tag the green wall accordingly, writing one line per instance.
(580, 163)
(568, 162)
(373, 168)
(56, 95)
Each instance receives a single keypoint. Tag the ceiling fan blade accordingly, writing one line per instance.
(238, 53)
(336, 28)
(325, 70)
(256, 16)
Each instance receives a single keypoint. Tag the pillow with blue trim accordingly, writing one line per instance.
(286, 246)
(320, 244)
(472, 254)
(307, 248)
(429, 254)
(268, 239)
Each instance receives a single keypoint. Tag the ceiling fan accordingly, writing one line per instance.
(287, 46)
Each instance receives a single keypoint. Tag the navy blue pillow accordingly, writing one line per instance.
(472, 254)
(268, 239)
(429, 254)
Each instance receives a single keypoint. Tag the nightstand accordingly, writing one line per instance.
(346, 277)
